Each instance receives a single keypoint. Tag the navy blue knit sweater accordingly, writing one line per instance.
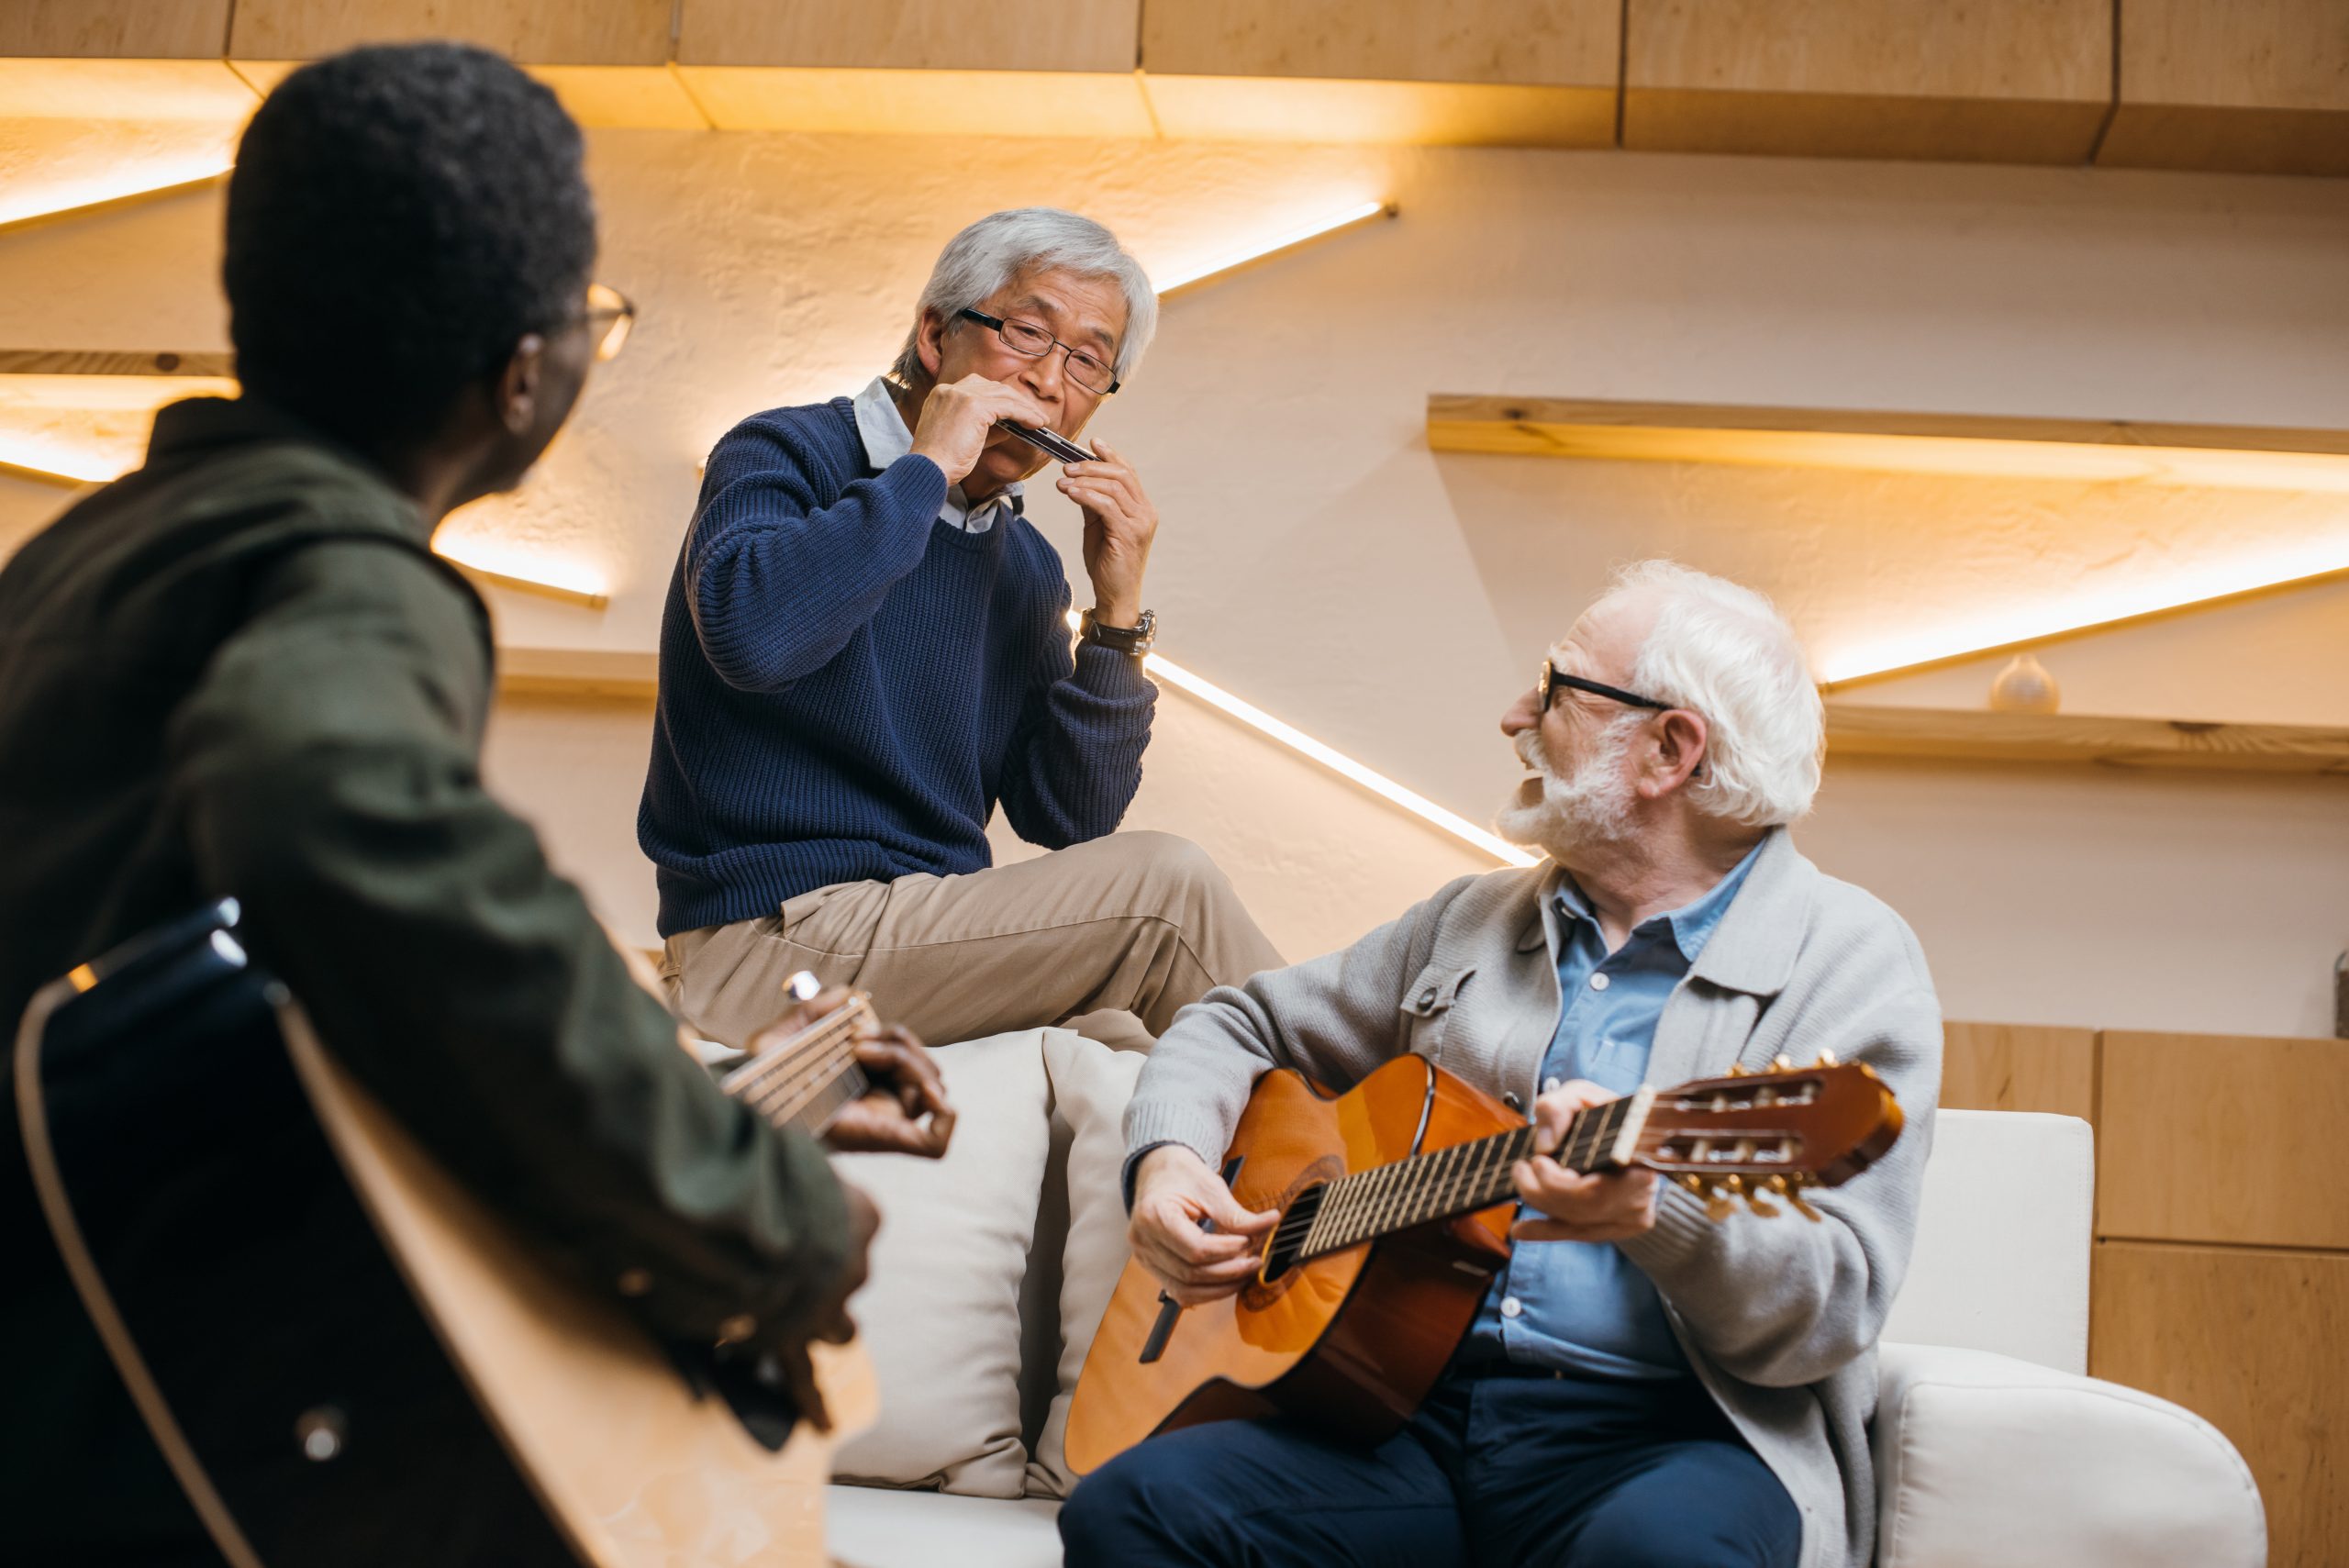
(848, 686)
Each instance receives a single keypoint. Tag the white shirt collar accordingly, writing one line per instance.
(887, 440)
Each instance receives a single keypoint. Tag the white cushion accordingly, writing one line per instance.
(1091, 1085)
(2003, 1233)
(940, 1313)
(868, 1529)
(1987, 1462)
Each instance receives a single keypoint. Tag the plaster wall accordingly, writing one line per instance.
(1317, 558)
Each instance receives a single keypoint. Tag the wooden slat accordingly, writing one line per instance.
(108, 362)
(2260, 86)
(1859, 730)
(912, 34)
(2217, 1138)
(1574, 43)
(920, 102)
(1582, 426)
(2019, 1067)
(2003, 81)
(151, 30)
(574, 32)
(2251, 1342)
(1413, 114)
(636, 98)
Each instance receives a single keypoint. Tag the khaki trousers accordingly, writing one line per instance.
(1134, 923)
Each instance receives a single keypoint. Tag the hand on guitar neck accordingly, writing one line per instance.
(903, 1107)
(1605, 1206)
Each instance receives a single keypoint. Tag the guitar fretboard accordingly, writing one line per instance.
(805, 1082)
(1461, 1179)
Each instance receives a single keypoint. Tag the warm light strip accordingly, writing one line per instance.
(2305, 562)
(1337, 761)
(1334, 223)
(85, 195)
(522, 568)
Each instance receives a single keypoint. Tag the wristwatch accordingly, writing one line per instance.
(1135, 640)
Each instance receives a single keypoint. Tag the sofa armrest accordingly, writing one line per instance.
(1982, 1459)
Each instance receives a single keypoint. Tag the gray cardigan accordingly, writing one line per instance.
(1779, 1317)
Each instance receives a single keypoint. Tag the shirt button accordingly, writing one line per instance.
(1598, 982)
(1549, 1086)
(1512, 1307)
(1511, 1101)
(1427, 997)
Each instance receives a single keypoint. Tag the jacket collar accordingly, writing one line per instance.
(196, 427)
(1753, 949)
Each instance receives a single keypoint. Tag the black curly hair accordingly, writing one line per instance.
(399, 218)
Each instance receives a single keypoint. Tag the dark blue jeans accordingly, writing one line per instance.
(1561, 1472)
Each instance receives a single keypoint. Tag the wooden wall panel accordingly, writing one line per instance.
(2019, 1067)
(2212, 1137)
(2004, 80)
(152, 29)
(2251, 1341)
(1574, 43)
(538, 32)
(2255, 85)
(912, 34)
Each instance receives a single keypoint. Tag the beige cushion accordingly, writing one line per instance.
(940, 1313)
(865, 1528)
(1091, 1085)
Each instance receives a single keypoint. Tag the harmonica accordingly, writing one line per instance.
(1050, 442)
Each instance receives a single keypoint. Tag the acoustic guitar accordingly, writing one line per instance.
(408, 1382)
(1395, 1203)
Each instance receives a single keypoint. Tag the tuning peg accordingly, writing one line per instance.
(1694, 1183)
(1781, 1064)
(1719, 1208)
(1792, 1192)
(1734, 1184)
(1765, 1210)
(1826, 1059)
(1735, 1071)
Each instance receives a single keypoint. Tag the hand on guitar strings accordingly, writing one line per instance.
(1176, 1196)
(1613, 1206)
(905, 1111)
(831, 1322)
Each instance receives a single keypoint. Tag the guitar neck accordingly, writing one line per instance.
(1459, 1179)
(804, 1082)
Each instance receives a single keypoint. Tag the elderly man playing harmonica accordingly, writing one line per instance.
(866, 653)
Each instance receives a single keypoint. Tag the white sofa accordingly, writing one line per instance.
(1992, 1448)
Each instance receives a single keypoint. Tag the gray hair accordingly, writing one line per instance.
(1001, 246)
(1726, 652)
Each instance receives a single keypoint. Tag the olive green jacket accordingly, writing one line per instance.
(241, 671)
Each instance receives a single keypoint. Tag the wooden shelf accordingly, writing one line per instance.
(577, 672)
(2244, 456)
(1858, 729)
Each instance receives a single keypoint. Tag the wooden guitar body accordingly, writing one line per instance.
(348, 1361)
(1352, 1341)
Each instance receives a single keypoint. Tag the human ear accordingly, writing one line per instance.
(929, 341)
(520, 385)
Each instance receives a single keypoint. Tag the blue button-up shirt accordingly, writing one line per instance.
(1583, 1306)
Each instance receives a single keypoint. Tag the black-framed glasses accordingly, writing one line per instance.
(1085, 368)
(1553, 679)
(610, 316)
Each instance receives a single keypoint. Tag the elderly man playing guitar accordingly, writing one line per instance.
(1645, 1383)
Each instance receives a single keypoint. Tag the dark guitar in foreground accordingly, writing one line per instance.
(1396, 1203)
(407, 1382)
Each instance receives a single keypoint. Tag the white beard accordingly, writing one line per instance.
(1593, 806)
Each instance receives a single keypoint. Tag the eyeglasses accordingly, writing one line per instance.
(1085, 368)
(1553, 679)
(610, 316)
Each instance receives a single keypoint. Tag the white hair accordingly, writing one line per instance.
(1724, 652)
(990, 254)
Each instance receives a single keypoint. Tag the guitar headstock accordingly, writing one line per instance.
(1758, 1135)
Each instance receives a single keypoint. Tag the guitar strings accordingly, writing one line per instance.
(803, 1069)
(1422, 1187)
